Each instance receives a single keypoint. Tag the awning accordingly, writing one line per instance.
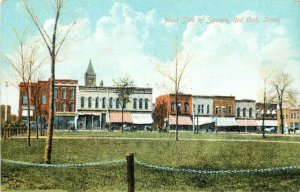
(203, 120)
(246, 122)
(89, 113)
(268, 123)
(25, 113)
(141, 118)
(182, 120)
(116, 117)
(225, 121)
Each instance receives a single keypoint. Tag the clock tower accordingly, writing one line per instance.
(90, 76)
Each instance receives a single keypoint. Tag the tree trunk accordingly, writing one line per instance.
(48, 147)
(281, 117)
(36, 126)
(263, 123)
(28, 114)
(176, 104)
(122, 116)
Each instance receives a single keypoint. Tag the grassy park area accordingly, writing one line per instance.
(185, 154)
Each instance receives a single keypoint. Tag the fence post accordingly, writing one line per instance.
(130, 172)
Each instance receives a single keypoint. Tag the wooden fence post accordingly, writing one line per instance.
(130, 172)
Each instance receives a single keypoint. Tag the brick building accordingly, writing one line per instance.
(169, 113)
(270, 115)
(291, 119)
(64, 104)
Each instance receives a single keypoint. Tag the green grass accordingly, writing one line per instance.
(182, 135)
(183, 154)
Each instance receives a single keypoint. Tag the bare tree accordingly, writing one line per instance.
(25, 64)
(124, 88)
(281, 83)
(175, 77)
(265, 93)
(53, 43)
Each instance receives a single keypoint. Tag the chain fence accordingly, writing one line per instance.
(157, 167)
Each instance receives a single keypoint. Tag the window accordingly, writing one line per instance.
(134, 103)
(140, 103)
(179, 108)
(223, 110)
(292, 115)
(202, 109)
(229, 109)
(207, 109)
(97, 103)
(110, 102)
(199, 108)
(71, 93)
(186, 107)
(43, 99)
(238, 112)
(63, 93)
(82, 102)
(250, 113)
(172, 107)
(90, 102)
(244, 112)
(146, 103)
(63, 107)
(72, 107)
(55, 93)
(25, 99)
(103, 102)
(117, 103)
(55, 108)
(217, 110)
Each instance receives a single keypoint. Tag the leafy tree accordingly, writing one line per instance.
(124, 88)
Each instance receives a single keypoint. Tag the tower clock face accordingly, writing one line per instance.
(90, 81)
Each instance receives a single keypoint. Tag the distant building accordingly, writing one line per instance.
(203, 112)
(270, 115)
(7, 113)
(99, 106)
(291, 118)
(245, 115)
(64, 104)
(169, 114)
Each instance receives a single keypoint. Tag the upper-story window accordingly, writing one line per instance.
(103, 102)
(217, 110)
(134, 103)
(238, 111)
(97, 103)
(71, 93)
(90, 102)
(229, 109)
(55, 108)
(110, 102)
(251, 112)
(63, 93)
(25, 99)
(179, 108)
(44, 100)
(140, 103)
(117, 103)
(207, 109)
(82, 102)
(202, 109)
(172, 107)
(63, 107)
(72, 107)
(223, 110)
(199, 108)
(186, 107)
(55, 93)
(244, 112)
(146, 103)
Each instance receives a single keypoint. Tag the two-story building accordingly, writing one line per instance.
(167, 104)
(269, 115)
(203, 112)
(245, 115)
(64, 102)
(291, 120)
(99, 105)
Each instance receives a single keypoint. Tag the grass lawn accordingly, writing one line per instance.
(182, 135)
(183, 154)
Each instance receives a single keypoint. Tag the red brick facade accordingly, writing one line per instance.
(224, 106)
(39, 97)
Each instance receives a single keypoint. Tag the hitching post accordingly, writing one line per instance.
(130, 172)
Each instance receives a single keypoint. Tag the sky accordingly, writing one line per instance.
(227, 43)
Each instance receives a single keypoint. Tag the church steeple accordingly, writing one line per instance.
(90, 75)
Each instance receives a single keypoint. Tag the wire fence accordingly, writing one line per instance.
(156, 167)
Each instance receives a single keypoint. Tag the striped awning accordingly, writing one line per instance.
(116, 117)
(246, 122)
(182, 120)
(203, 120)
(225, 121)
(268, 123)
